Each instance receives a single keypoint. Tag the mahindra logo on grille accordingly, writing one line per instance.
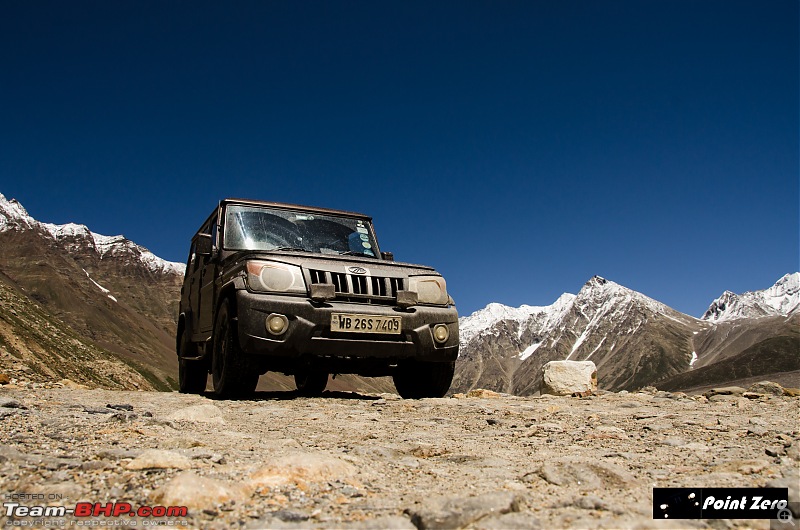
(357, 270)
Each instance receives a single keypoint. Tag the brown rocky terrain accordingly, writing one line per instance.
(349, 460)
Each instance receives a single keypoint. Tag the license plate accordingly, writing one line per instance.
(351, 323)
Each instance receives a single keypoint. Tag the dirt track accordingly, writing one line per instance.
(375, 461)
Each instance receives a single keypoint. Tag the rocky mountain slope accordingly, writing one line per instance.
(106, 292)
(634, 340)
(359, 461)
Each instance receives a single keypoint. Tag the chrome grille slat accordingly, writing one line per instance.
(359, 287)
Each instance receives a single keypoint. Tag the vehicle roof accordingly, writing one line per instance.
(289, 206)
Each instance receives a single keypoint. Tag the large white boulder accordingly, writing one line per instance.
(564, 378)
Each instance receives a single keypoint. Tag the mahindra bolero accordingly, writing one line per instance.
(307, 292)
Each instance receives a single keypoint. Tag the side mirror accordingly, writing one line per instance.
(204, 245)
(388, 256)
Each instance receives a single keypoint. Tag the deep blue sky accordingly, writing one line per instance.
(519, 147)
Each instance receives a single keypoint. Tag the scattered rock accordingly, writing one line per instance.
(766, 387)
(457, 512)
(585, 474)
(725, 391)
(159, 459)
(791, 392)
(198, 493)
(340, 462)
(4, 379)
(6, 402)
(66, 383)
(482, 393)
(301, 468)
(205, 413)
(791, 480)
(123, 406)
(744, 467)
(564, 378)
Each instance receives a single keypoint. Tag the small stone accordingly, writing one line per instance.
(790, 480)
(4, 379)
(605, 431)
(93, 465)
(722, 398)
(752, 395)
(744, 467)
(301, 468)
(775, 451)
(590, 502)
(289, 516)
(9, 403)
(585, 474)
(482, 393)
(123, 406)
(97, 410)
(791, 392)
(73, 385)
(755, 430)
(766, 387)
(457, 512)
(205, 413)
(726, 391)
(159, 459)
(199, 493)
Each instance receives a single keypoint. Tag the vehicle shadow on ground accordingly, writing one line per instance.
(288, 395)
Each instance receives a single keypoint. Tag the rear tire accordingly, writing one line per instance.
(311, 384)
(233, 376)
(416, 380)
(192, 375)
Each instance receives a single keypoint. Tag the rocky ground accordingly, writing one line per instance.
(350, 460)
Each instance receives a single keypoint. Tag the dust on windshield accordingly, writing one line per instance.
(259, 228)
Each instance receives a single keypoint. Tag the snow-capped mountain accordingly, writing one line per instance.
(106, 292)
(634, 340)
(13, 216)
(628, 335)
(783, 298)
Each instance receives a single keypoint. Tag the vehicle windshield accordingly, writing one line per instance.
(264, 228)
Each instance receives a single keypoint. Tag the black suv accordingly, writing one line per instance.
(307, 292)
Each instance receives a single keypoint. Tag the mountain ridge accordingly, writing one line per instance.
(633, 339)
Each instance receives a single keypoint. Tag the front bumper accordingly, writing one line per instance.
(309, 332)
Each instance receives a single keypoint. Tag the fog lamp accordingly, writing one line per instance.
(441, 333)
(277, 324)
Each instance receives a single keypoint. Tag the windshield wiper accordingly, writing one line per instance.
(298, 249)
(354, 253)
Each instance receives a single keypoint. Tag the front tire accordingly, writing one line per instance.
(311, 384)
(192, 375)
(232, 375)
(416, 380)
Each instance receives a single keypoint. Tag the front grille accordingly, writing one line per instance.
(360, 287)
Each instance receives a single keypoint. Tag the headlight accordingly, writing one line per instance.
(429, 289)
(274, 277)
